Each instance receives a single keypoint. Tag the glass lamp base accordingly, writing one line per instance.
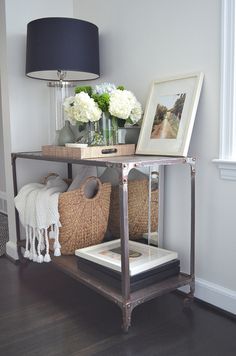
(58, 92)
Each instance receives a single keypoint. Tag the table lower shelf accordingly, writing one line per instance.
(68, 264)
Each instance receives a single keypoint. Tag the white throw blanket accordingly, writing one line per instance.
(37, 205)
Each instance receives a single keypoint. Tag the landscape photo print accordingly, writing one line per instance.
(169, 116)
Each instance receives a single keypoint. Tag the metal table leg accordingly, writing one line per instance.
(69, 170)
(124, 236)
(15, 188)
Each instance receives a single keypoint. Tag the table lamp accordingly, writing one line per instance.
(61, 51)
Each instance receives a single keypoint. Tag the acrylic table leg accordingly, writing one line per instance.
(188, 300)
(192, 247)
(190, 296)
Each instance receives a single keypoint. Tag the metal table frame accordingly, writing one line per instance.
(125, 299)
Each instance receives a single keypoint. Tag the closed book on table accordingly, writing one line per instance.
(141, 280)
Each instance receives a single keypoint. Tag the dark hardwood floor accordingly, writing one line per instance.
(44, 312)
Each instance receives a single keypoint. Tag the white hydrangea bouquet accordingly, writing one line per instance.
(81, 108)
(88, 104)
(104, 107)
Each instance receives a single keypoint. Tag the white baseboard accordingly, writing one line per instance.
(3, 202)
(11, 250)
(216, 295)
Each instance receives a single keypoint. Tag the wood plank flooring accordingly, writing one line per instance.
(45, 312)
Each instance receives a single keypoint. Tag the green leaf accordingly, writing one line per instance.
(121, 87)
(86, 89)
(102, 100)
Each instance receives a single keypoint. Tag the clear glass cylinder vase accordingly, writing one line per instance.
(95, 134)
(109, 129)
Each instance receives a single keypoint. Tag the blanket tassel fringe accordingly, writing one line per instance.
(37, 241)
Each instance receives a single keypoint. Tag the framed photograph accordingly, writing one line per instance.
(141, 257)
(169, 116)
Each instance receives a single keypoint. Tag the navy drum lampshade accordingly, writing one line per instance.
(62, 45)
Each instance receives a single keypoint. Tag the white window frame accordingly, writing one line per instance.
(227, 152)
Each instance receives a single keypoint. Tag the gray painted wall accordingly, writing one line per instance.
(144, 40)
(25, 101)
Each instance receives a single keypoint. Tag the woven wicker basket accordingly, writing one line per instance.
(137, 209)
(84, 220)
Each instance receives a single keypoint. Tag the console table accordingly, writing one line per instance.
(125, 299)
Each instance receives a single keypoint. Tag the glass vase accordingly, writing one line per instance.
(95, 134)
(66, 135)
(109, 129)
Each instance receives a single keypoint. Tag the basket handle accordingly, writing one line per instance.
(90, 179)
(68, 181)
(45, 179)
